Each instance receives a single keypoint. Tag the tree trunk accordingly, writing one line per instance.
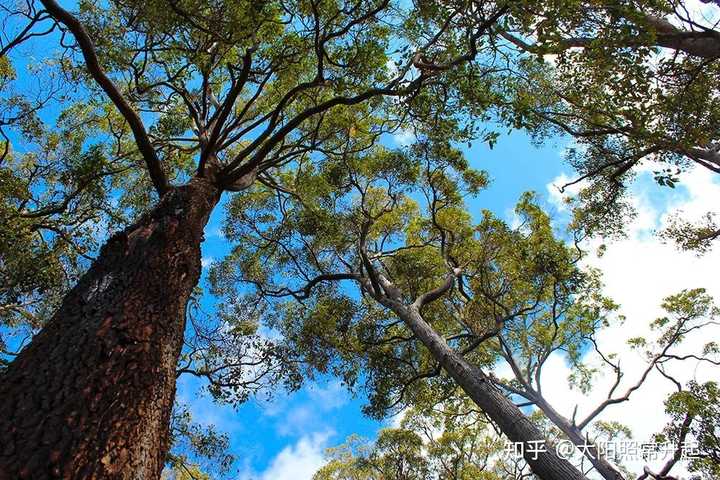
(513, 423)
(91, 396)
(575, 435)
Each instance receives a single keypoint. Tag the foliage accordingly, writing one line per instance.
(520, 294)
(136, 97)
(199, 453)
(635, 84)
(694, 413)
(449, 441)
(290, 103)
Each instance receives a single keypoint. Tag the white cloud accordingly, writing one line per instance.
(702, 13)
(333, 395)
(300, 415)
(391, 68)
(206, 411)
(396, 420)
(216, 232)
(297, 420)
(206, 261)
(512, 218)
(404, 136)
(559, 198)
(295, 462)
(639, 272)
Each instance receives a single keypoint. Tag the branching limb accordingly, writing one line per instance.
(87, 47)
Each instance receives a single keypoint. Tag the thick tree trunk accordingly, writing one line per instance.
(513, 423)
(91, 396)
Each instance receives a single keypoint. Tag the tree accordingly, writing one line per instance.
(452, 441)
(435, 292)
(362, 225)
(694, 414)
(635, 84)
(527, 348)
(201, 449)
(167, 106)
(155, 110)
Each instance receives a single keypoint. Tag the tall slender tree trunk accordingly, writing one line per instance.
(514, 424)
(575, 435)
(91, 396)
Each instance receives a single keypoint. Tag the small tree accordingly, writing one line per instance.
(450, 441)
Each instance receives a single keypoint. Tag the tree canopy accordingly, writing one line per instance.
(380, 230)
(287, 107)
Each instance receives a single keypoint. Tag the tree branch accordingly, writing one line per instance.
(131, 116)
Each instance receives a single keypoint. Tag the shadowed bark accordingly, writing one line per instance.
(91, 396)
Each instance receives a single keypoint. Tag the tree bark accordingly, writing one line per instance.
(513, 423)
(575, 435)
(91, 396)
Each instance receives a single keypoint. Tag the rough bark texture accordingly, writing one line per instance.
(91, 396)
(513, 423)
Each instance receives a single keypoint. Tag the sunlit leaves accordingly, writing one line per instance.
(602, 78)
(694, 421)
(449, 442)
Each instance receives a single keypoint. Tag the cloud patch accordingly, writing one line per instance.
(298, 461)
(639, 271)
